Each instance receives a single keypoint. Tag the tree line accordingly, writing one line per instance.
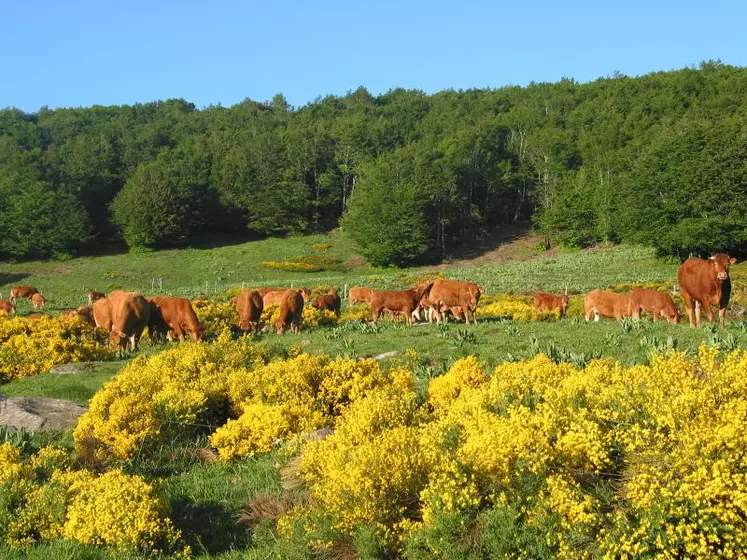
(659, 159)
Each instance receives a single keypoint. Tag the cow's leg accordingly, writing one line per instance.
(375, 314)
(697, 313)
(688, 306)
(179, 333)
(721, 317)
(707, 306)
(596, 316)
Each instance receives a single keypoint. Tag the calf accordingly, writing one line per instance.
(329, 301)
(291, 311)
(173, 315)
(452, 293)
(7, 306)
(704, 282)
(404, 301)
(94, 296)
(38, 301)
(358, 294)
(609, 304)
(21, 291)
(655, 302)
(548, 302)
(249, 305)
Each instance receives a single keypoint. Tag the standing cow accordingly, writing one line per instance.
(657, 303)
(358, 294)
(704, 282)
(329, 301)
(125, 315)
(249, 305)
(172, 315)
(291, 312)
(448, 294)
(549, 302)
(398, 301)
(21, 291)
(601, 303)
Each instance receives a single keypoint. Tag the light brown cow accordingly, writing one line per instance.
(358, 294)
(453, 293)
(602, 303)
(38, 301)
(125, 315)
(657, 303)
(84, 312)
(704, 282)
(21, 291)
(94, 296)
(172, 316)
(35, 316)
(7, 306)
(548, 302)
(329, 301)
(249, 305)
(291, 312)
(275, 296)
(398, 301)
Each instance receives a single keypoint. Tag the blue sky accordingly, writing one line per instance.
(63, 54)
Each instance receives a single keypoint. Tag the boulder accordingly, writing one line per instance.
(39, 413)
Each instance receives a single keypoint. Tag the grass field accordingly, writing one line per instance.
(207, 499)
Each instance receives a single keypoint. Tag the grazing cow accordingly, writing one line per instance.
(35, 316)
(453, 293)
(94, 296)
(7, 306)
(329, 301)
(358, 294)
(655, 302)
(249, 305)
(124, 315)
(21, 291)
(172, 315)
(275, 296)
(404, 301)
(704, 282)
(84, 312)
(548, 302)
(38, 301)
(609, 304)
(291, 311)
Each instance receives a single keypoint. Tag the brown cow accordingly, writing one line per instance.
(358, 294)
(7, 306)
(35, 316)
(329, 301)
(249, 305)
(38, 301)
(21, 291)
(172, 315)
(548, 302)
(704, 282)
(609, 304)
(655, 302)
(84, 312)
(94, 296)
(124, 315)
(404, 301)
(275, 296)
(291, 312)
(453, 293)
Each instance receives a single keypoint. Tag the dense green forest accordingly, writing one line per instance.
(660, 160)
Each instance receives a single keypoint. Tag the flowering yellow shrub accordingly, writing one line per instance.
(215, 317)
(153, 398)
(50, 501)
(32, 346)
(291, 266)
(465, 373)
(311, 317)
(518, 308)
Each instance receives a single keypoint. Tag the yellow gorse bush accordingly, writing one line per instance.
(44, 499)
(215, 317)
(32, 346)
(517, 308)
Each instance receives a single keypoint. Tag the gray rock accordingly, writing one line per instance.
(74, 368)
(39, 413)
(386, 355)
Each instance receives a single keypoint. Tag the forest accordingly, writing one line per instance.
(659, 160)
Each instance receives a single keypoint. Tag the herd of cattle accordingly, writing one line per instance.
(125, 315)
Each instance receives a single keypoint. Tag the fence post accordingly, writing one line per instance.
(160, 284)
(345, 291)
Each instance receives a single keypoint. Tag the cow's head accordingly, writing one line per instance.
(305, 293)
(279, 326)
(721, 262)
(195, 333)
(672, 318)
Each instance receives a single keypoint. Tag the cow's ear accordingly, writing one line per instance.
(733, 260)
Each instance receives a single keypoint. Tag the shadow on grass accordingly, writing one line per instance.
(12, 278)
(209, 528)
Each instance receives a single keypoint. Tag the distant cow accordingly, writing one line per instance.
(601, 303)
(94, 296)
(447, 294)
(329, 301)
(275, 296)
(7, 306)
(38, 301)
(125, 315)
(358, 294)
(84, 312)
(398, 301)
(173, 315)
(704, 282)
(291, 312)
(21, 291)
(249, 305)
(657, 303)
(35, 316)
(548, 302)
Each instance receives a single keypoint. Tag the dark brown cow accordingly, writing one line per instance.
(329, 301)
(601, 303)
(7, 306)
(125, 315)
(453, 293)
(291, 312)
(173, 315)
(548, 302)
(38, 301)
(249, 305)
(94, 296)
(398, 301)
(21, 291)
(704, 282)
(84, 312)
(358, 294)
(657, 303)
